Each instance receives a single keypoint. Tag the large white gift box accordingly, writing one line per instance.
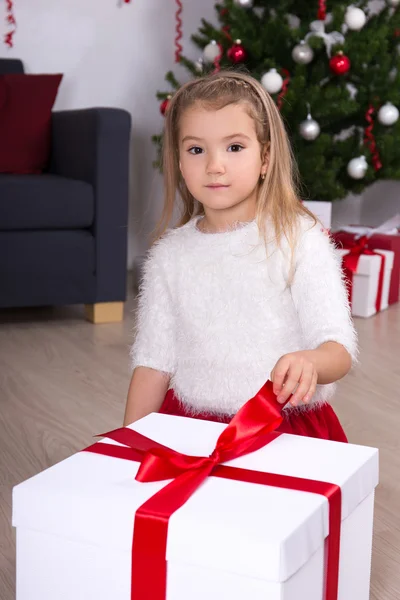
(322, 211)
(236, 540)
(365, 282)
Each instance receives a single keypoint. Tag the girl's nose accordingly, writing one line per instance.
(215, 164)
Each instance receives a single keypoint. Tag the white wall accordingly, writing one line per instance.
(115, 54)
(111, 54)
(377, 204)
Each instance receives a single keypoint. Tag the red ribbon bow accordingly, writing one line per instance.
(251, 429)
(350, 265)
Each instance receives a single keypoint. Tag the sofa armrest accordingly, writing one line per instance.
(92, 145)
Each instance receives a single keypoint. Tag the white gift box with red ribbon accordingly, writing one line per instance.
(364, 293)
(231, 539)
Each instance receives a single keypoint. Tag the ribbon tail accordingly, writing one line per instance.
(250, 428)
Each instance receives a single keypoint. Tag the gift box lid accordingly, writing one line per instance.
(389, 228)
(359, 230)
(371, 263)
(248, 529)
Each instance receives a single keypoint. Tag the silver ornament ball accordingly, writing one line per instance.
(309, 129)
(357, 167)
(272, 81)
(211, 51)
(355, 18)
(388, 114)
(244, 3)
(302, 53)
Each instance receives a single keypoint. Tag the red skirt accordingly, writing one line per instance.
(319, 422)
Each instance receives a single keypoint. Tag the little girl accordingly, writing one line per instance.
(248, 287)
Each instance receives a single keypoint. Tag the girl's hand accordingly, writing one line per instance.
(296, 374)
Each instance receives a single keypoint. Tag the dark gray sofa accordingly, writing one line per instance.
(63, 233)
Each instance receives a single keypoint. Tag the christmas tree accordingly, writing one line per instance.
(332, 69)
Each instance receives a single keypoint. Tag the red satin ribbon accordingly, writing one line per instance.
(350, 266)
(252, 428)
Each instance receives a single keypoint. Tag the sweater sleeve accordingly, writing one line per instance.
(154, 333)
(319, 292)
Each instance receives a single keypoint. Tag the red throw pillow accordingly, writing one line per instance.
(25, 121)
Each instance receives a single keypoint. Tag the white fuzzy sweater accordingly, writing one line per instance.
(216, 311)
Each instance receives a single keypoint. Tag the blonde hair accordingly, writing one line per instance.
(277, 195)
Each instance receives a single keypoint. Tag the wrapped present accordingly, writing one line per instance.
(322, 211)
(153, 512)
(368, 275)
(385, 237)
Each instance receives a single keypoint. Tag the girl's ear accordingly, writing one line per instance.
(265, 154)
(265, 159)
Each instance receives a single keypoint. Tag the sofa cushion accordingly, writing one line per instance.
(44, 202)
(25, 121)
(47, 267)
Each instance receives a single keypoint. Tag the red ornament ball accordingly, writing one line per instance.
(340, 64)
(164, 105)
(237, 53)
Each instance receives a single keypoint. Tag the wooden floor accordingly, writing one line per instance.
(63, 380)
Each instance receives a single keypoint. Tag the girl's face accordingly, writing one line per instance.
(220, 160)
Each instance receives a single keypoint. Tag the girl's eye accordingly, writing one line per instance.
(195, 150)
(235, 148)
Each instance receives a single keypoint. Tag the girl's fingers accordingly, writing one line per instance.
(279, 374)
(306, 388)
(311, 391)
(291, 383)
(303, 391)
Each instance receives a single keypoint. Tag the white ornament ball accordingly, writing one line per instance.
(357, 167)
(393, 3)
(211, 51)
(388, 114)
(302, 53)
(243, 3)
(309, 129)
(272, 81)
(355, 18)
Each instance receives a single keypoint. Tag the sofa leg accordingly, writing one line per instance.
(105, 312)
